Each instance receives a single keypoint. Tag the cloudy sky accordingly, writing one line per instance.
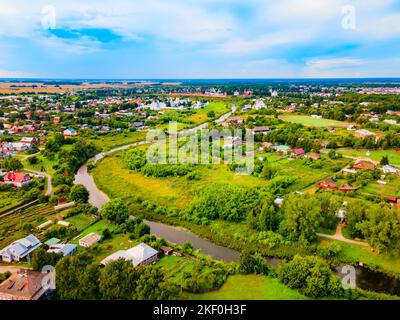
(199, 38)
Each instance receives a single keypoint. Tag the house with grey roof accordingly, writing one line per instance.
(142, 254)
(65, 249)
(20, 249)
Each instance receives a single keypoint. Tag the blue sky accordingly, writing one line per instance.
(199, 38)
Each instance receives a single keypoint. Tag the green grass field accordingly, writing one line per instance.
(250, 287)
(107, 142)
(218, 107)
(169, 192)
(305, 175)
(312, 122)
(80, 221)
(365, 255)
(376, 155)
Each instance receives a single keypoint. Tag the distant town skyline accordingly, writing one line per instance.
(174, 39)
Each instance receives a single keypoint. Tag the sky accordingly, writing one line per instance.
(137, 39)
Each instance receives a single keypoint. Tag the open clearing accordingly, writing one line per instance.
(250, 287)
(313, 122)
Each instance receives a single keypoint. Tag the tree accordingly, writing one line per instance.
(117, 280)
(311, 276)
(264, 216)
(384, 160)
(115, 211)
(355, 214)
(106, 234)
(267, 172)
(211, 114)
(77, 278)
(79, 193)
(33, 160)
(41, 258)
(382, 228)
(153, 285)
(252, 263)
(301, 217)
(12, 164)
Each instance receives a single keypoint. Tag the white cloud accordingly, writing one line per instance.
(14, 74)
(351, 68)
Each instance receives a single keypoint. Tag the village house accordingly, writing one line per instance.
(363, 165)
(64, 249)
(298, 152)
(26, 285)
(362, 133)
(70, 132)
(29, 141)
(351, 127)
(266, 145)
(390, 169)
(142, 254)
(89, 240)
(263, 130)
(282, 149)
(17, 179)
(20, 249)
(390, 121)
(314, 156)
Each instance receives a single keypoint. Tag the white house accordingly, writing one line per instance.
(64, 249)
(89, 240)
(389, 169)
(140, 255)
(20, 249)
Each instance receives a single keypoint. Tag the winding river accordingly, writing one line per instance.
(366, 279)
(172, 234)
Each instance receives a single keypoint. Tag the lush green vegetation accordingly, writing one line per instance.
(250, 287)
(313, 122)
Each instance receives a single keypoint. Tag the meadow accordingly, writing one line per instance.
(376, 155)
(357, 253)
(313, 122)
(175, 192)
(250, 287)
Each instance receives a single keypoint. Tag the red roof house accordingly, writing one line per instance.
(298, 152)
(18, 179)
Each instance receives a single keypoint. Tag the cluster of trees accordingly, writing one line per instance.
(379, 224)
(201, 278)
(11, 164)
(79, 277)
(226, 202)
(115, 211)
(292, 135)
(135, 159)
(252, 263)
(311, 276)
(299, 218)
(69, 160)
(136, 228)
